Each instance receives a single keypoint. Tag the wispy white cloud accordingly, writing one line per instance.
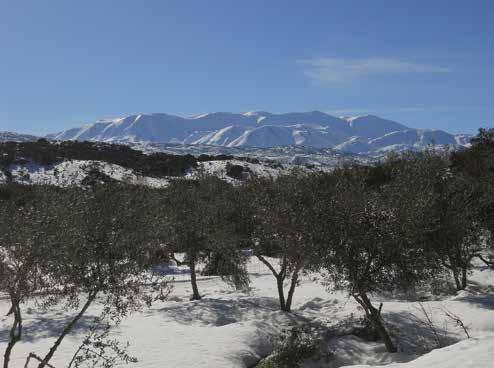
(401, 109)
(334, 70)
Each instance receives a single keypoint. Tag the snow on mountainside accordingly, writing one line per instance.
(16, 137)
(363, 134)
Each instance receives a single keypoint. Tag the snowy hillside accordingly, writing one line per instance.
(78, 172)
(75, 173)
(264, 130)
(74, 164)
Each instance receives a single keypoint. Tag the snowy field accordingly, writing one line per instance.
(229, 329)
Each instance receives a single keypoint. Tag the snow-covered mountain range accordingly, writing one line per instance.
(367, 134)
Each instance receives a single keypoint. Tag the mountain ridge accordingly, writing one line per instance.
(6, 136)
(362, 134)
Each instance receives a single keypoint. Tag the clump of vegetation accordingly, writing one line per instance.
(293, 348)
(238, 172)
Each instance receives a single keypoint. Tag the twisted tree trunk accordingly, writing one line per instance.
(373, 314)
(15, 331)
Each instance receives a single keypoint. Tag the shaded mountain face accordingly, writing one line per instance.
(362, 134)
(15, 137)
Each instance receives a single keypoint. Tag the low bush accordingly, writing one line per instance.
(294, 347)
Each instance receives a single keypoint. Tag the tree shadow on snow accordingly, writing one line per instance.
(52, 326)
(485, 301)
(413, 335)
(222, 312)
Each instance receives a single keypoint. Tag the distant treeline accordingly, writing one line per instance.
(44, 152)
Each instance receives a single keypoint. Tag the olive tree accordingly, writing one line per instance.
(203, 218)
(475, 165)
(457, 232)
(283, 214)
(109, 235)
(27, 235)
(377, 221)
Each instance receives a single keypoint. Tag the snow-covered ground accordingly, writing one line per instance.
(73, 172)
(234, 329)
(472, 353)
(219, 169)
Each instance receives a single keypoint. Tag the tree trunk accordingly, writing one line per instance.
(193, 280)
(15, 333)
(291, 291)
(374, 316)
(464, 278)
(281, 292)
(67, 329)
(280, 277)
(456, 277)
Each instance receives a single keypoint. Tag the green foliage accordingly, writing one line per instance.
(73, 245)
(231, 267)
(283, 213)
(292, 348)
(204, 219)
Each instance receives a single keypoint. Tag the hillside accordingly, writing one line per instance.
(78, 163)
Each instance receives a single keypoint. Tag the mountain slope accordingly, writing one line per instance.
(15, 137)
(371, 126)
(361, 134)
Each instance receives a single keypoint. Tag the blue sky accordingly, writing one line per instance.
(422, 63)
